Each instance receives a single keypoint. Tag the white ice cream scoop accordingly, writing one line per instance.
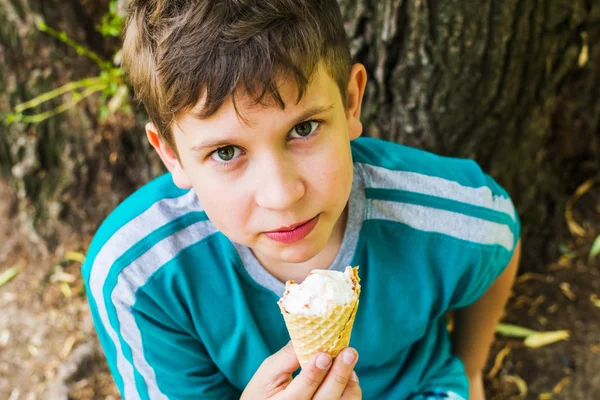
(319, 313)
(320, 291)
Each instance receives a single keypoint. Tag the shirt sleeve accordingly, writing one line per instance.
(483, 263)
(152, 352)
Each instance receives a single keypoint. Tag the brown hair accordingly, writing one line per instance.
(177, 52)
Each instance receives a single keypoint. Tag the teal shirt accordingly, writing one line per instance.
(183, 313)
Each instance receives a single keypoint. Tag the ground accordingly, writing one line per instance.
(48, 347)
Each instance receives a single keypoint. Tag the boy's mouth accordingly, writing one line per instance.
(293, 233)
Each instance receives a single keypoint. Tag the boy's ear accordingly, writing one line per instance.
(168, 157)
(356, 91)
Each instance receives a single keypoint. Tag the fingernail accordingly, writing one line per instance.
(323, 361)
(349, 356)
(354, 377)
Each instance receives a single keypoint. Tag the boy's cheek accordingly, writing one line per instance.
(334, 171)
(226, 212)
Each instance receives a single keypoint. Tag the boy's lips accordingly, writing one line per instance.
(293, 233)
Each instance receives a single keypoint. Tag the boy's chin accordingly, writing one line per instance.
(297, 258)
(291, 254)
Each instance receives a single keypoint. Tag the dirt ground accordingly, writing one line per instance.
(48, 347)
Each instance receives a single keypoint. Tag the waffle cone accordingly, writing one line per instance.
(329, 333)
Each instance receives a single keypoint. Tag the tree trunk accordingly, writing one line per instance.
(68, 171)
(513, 84)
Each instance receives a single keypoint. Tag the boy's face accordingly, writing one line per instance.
(279, 181)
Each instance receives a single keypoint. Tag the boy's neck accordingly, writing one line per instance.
(299, 271)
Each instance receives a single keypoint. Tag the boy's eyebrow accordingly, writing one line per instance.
(301, 118)
(310, 112)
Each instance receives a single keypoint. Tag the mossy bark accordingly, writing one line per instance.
(71, 170)
(513, 84)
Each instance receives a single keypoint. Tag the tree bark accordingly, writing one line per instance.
(513, 84)
(69, 171)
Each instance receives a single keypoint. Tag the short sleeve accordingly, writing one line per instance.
(483, 263)
(152, 352)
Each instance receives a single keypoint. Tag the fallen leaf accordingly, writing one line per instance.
(541, 339)
(518, 382)
(539, 300)
(514, 331)
(595, 300)
(498, 362)
(561, 385)
(533, 339)
(595, 250)
(521, 300)
(8, 275)
(535, 304)
(66, 350)
(66, 290)
(531, 275)
(566, 289)
(545, 396)
(574, 227)
(584, 53)
(60, 276)
(75, 256)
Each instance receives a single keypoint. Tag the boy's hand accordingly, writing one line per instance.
(320, 379)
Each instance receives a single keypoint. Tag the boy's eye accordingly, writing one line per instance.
(305, 128)
(226, 153)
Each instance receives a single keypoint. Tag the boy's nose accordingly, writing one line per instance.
(279, 186)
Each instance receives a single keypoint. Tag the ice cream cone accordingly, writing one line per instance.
(329, 332)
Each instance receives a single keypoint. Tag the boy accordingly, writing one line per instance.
(255, 111)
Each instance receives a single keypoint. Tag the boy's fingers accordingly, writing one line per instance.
(275, 372)
(352, 390)
(339, 377)
(284, 361)
(307, 382)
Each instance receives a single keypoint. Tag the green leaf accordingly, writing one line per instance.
(519, 383)
(514, 331)
(595, 248)
(41, 25)
(11, 118)
(533, 339)
(103, 113)
(8, 275)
